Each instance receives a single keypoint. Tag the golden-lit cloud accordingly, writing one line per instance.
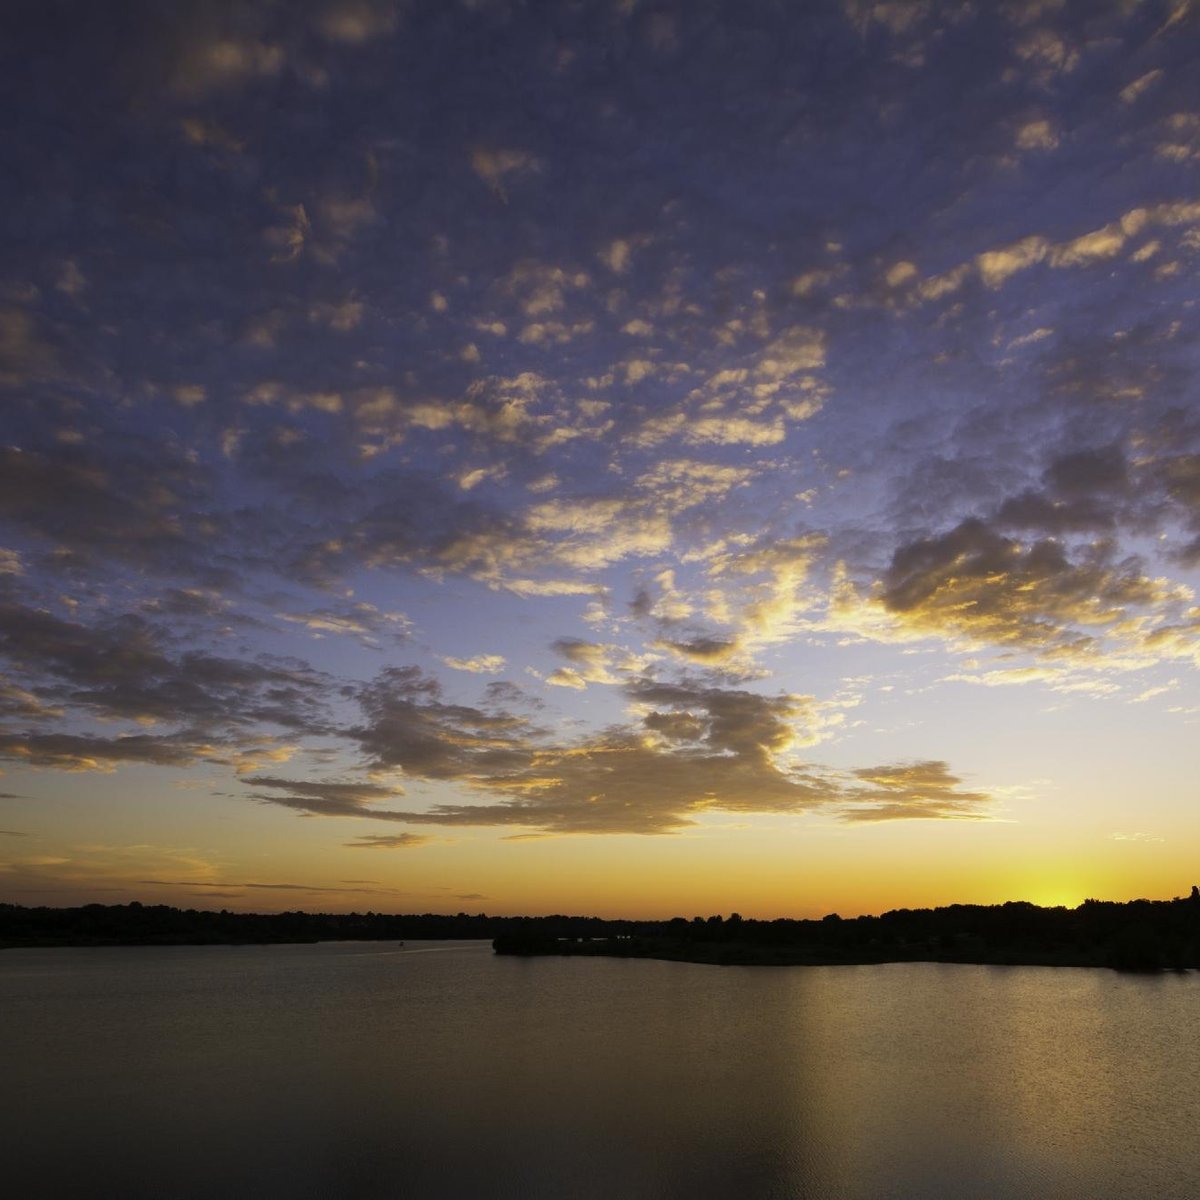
(913, 791)
(766, 581)
(1047, 53)
(325, 798)
(995, 267)
(694, 749)
(72, 752)
(977, 583)
(20, 702)
(496, 165)
(554, 587)
(690, 748)
(211, 62)
(1037, 134)
(386, 841)
(703, 650)
(1132, 91)
(593, 662)
(1099, 244)
(480, 664)
(361, 620)
(356, 21)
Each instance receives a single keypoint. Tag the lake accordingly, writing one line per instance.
(440, 1070)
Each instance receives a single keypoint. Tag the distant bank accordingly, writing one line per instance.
(1141, 935)
(1137, 935)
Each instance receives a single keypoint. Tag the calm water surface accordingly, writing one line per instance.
(439, 1070)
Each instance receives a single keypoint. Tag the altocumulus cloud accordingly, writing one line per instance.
(395, 841)
(694, 749)
(338, 378)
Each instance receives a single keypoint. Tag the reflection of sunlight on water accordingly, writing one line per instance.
(912, 1103)
(1003, 1082)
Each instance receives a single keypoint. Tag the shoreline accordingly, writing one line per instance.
(1116, 956)
(1135, 935)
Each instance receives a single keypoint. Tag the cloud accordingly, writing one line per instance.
(396, 841)
(79, 752)
(592, 662)
(342, 316)
(693, 748)
(593, 532)
(1007, 676)
(766, 580)
(199, 603)
(1090, 247)
(995, 266)
(554, 587)
(242, 386)
(481, 664)
(1132, 91)
(354, 22)
(269, 887)
(733, 431)
(677, 484)
(1036, 510)
(288, 239)
(796, 351)
(104, 501)
(1037, 134)
(124, 667)
(495, 166)
(18, 702)
(214, 62)
(1179, 476)
(976, 583)
(1081, 490)
(25, 353)
(410, 726)
(1047, 53)
(1089, 471)
(703, 649)
(326, 798)
(360, 620)
(909, 791)
(900, 273)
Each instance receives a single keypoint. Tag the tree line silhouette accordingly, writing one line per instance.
(1140, 935)
(1136, 935)
(137, 924)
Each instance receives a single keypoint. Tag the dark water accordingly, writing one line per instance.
(439, 1070)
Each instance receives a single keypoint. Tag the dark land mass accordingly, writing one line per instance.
(1141, 935)
(161, 925)
(1138, 935)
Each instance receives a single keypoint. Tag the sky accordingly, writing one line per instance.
(602, 456)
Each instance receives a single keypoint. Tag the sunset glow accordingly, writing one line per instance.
(612, 457)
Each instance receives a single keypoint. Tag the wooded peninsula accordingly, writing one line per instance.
(1135, 935)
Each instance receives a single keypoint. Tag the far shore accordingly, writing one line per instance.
(747, 954)
(1138, 935)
